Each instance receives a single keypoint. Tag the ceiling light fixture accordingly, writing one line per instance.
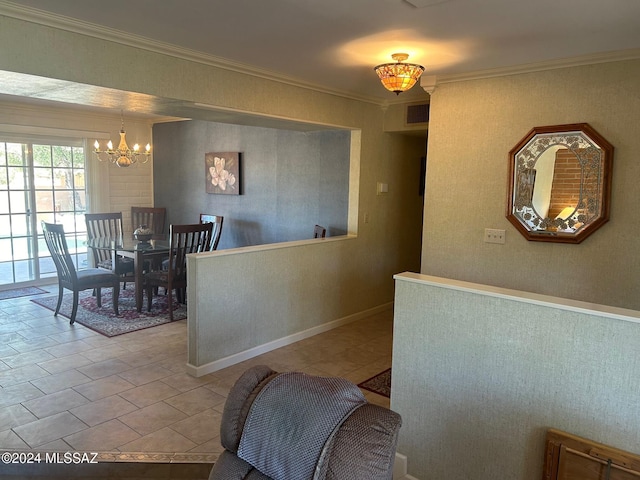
(399, 77)
(123, 156)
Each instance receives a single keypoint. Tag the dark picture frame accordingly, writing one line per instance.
(222, 173)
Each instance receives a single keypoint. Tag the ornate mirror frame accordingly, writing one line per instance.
(560, 183)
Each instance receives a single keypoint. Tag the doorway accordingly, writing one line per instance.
(39, 180)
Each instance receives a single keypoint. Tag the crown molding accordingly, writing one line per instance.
(109, 34)
(47, 19)
(607, 57)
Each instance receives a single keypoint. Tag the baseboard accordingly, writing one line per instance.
(198, 371)
(400, 468)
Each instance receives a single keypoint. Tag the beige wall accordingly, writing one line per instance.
(473, 126)
(113, 189)
(480, 374)
(379, 250)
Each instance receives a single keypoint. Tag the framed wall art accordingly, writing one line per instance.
(222, 172)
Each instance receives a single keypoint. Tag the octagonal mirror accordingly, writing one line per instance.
(560, 183)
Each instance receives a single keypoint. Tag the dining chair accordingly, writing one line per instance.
(76, 280)
(153, 218)
(108, 225)
(319, 231)
(217, 221)
(183, 240)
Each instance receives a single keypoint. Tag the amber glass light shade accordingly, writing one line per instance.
(399, 77)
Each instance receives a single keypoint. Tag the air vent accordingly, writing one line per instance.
(417, 114)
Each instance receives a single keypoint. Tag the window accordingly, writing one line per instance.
(40, 179)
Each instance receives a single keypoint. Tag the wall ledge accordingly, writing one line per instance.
(275, 246)
(526, 297)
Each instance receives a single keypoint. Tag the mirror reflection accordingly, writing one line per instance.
(559, 183)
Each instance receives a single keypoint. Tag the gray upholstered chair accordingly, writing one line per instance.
(294, 426)
(76, 280)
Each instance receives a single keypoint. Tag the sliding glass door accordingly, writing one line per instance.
(39, 180)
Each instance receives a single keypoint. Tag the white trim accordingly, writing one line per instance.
(282, 342)
(524, 297)
(274, 246)
(268, 116)
(400, 468)
(68, 24)
(112, 35)
(616, 56)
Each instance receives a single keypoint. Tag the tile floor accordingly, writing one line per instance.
(67, 388)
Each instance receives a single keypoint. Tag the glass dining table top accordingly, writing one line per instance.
(128, 244)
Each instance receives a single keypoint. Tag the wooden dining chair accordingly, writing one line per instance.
(183, 240)
(153, 218)
(217, 221)
(76, 280)
(108, 225)
(319, 231)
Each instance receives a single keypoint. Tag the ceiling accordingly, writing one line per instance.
(333, 45)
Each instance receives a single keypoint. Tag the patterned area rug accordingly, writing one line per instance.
(380, 384)
(104, 321)
(20, 292)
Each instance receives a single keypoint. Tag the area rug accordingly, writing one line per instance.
(20, 292)
(380, 384)
(104, 321)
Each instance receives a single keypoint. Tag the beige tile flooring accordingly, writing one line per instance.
(68, 388)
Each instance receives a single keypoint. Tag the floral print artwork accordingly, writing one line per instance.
(222, 172)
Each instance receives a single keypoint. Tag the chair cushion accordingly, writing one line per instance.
(290, 421)
(96, 276)
(368, 439)
(361, 445)
(238, 403)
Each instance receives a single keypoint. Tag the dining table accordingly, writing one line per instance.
(142, 252)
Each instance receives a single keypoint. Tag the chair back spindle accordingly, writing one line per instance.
(319, 231)
(56, 241)
(183, 240)
(72, 279)
(217, 221)
(103, 225)
(153, 218)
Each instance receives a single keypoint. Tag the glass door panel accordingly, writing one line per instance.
(39, 181)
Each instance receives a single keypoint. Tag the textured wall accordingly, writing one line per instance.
(480, 377)
(260, 295)
(364, 265)
(290, 180)
(124, 187)
(473, 126)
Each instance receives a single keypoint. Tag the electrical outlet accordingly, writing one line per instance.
(494, 235)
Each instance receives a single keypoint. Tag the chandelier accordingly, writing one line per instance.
(122, 156)
(399, 77)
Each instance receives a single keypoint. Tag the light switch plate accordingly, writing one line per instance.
(494, 235)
